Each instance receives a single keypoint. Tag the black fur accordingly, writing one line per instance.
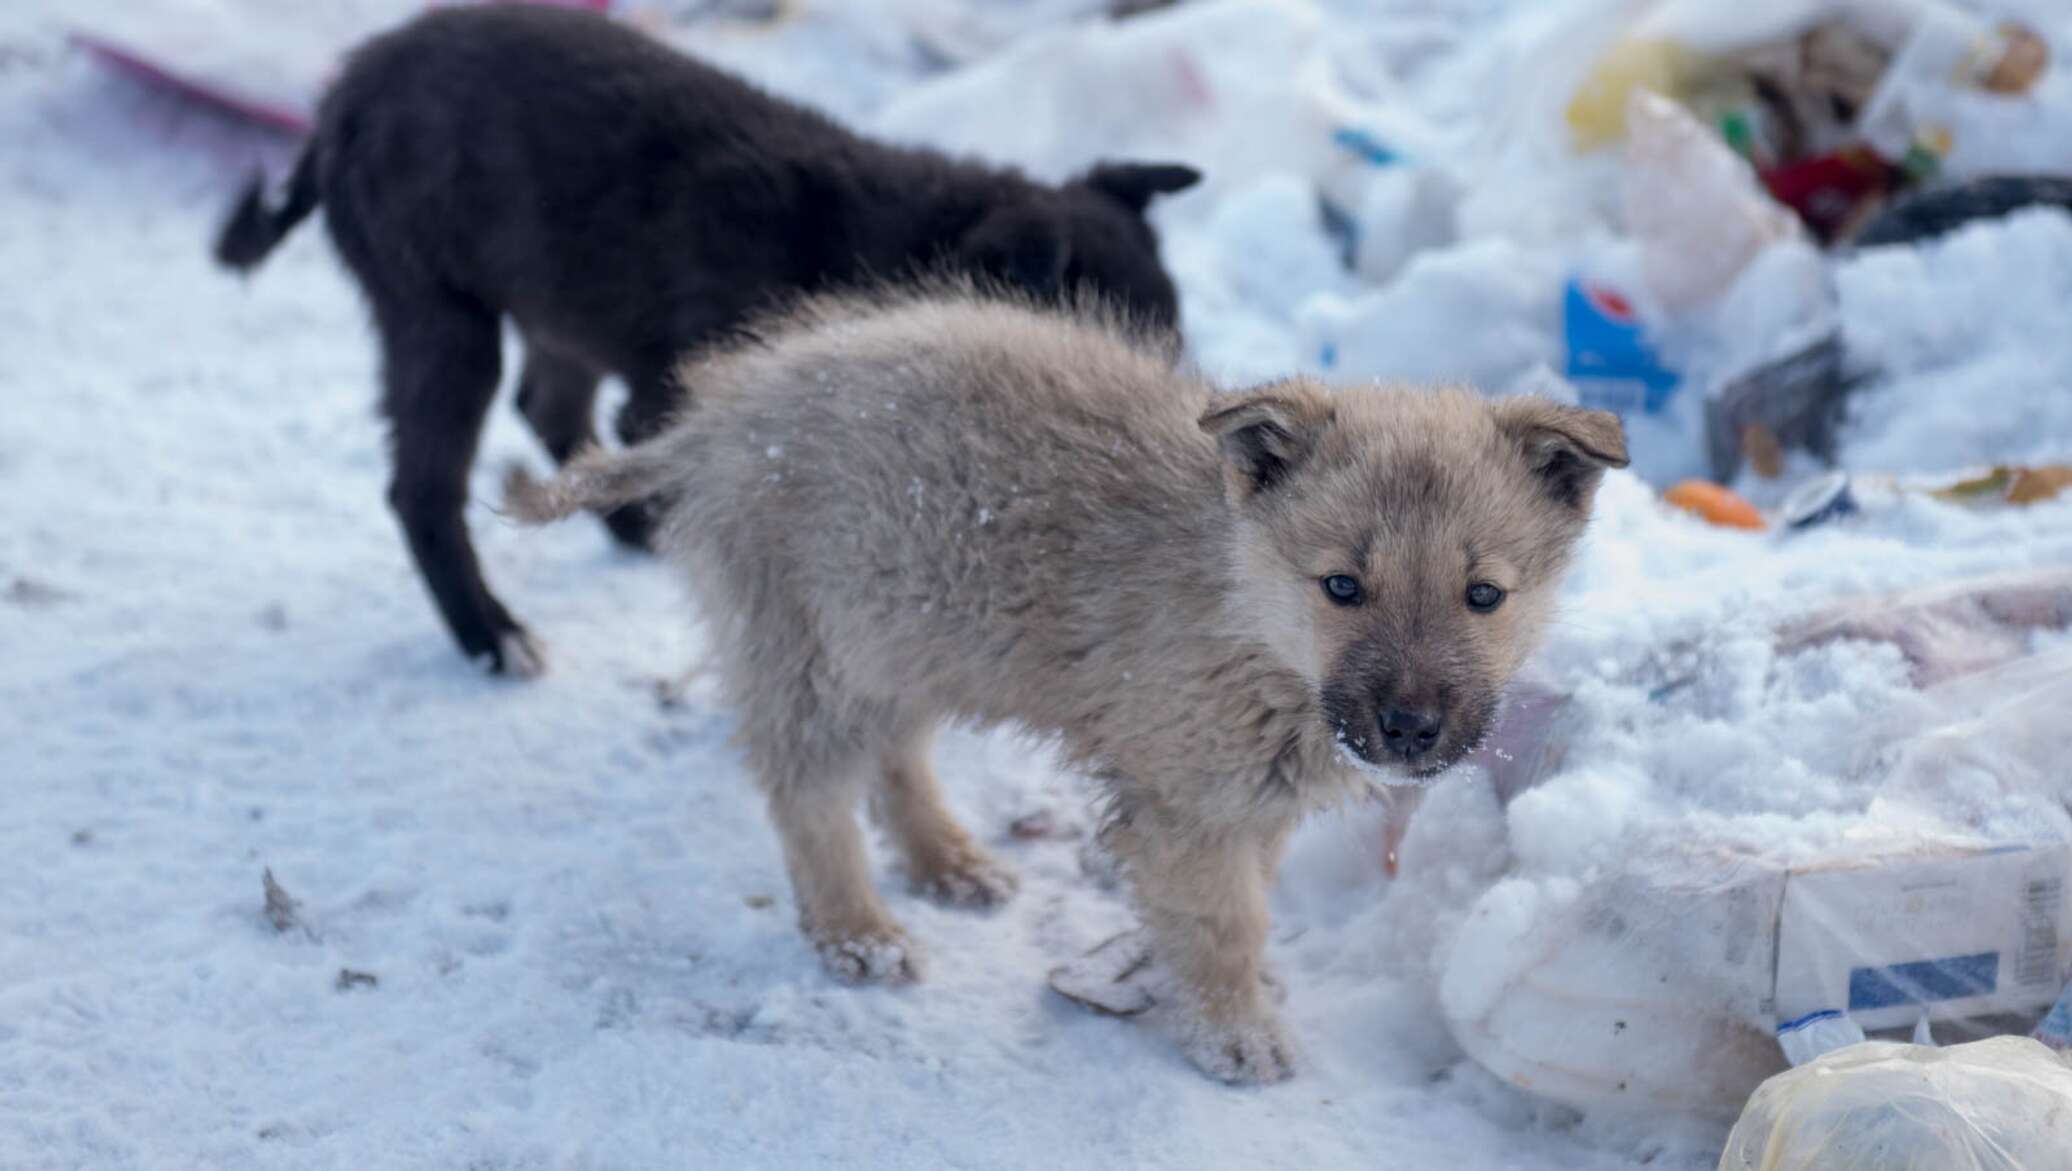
(254, 228)
(622, 204)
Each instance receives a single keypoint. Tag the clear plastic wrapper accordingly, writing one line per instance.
(1679, 978)
(2002, 1104)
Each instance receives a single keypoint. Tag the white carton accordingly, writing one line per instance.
(1954, 935)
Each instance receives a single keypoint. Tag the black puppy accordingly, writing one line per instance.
(622, 204)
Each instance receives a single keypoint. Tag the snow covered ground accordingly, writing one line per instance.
(215, 659)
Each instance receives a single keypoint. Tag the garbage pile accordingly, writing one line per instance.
(1836, 105)
(1685, 976)
(1837, 112)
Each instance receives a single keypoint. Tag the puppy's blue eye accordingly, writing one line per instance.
(1342, 589)
(1483, 597)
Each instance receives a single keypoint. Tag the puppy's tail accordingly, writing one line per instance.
(594, 479)
(254, 228)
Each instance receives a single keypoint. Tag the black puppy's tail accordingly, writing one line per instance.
(253, 228)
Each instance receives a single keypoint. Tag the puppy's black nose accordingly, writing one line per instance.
(1410, 732)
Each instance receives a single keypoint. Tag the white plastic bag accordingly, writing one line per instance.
(2002, 1104)
(1405, 210)
(1694, 205)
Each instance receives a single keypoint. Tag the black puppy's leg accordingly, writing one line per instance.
(441, 363)
(556, 396)
(650, 402)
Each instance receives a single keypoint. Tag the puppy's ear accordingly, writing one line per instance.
(1133, 184)
(1026, 247)
(1266, 434)
(1567, 447)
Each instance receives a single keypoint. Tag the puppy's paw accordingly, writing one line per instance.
(965, 876)
(881, 955)
(1246, 1053)
(518, 655)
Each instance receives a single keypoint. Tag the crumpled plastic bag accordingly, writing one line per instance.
(1988, 747)
(1695, 206)
(1947, 631)
(2001, 1104)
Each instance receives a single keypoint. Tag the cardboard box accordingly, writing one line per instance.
(1954, 935)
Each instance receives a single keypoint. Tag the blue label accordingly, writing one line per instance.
(1365, 145)
(1609, 358)
(2056, 1029)
(1794, 1026)
(1924, 981)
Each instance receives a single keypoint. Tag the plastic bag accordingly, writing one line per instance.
(1948, 631)
(1642, 992)
(1662, 982)
(2002, 1104)
(1695, 206)
(1990, 746)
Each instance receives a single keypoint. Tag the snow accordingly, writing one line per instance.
(1946, 317)
(215, 659)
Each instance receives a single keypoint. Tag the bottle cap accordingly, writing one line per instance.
(1819, 500)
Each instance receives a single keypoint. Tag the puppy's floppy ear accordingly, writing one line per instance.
(1567, 447)
(1025, 246)
(1133, 184)
(1266, 433)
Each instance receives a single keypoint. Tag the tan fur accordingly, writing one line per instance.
(904, 512)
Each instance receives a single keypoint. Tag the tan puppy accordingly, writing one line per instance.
(1228, 608)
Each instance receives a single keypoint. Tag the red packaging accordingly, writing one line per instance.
(1829, 191)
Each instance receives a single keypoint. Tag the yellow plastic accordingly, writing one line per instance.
(1596, 115)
